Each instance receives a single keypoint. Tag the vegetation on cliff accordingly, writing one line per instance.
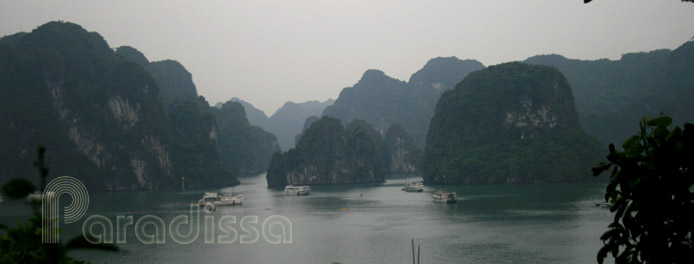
(287, 121)
(113, 119)
(64, 87)
(382, 101)
(611, 96)
(328, 154)
(509, 123)
(243, 148)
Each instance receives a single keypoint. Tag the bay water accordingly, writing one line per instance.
(366, 223)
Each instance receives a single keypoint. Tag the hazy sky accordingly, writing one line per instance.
(268, 52)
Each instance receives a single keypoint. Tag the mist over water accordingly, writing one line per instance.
(371, 223)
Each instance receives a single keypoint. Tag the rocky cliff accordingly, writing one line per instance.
(286, 122)
(98, 114)
(113, 119)
(244, 148)
(613, 95)
(191, 123)
(328, 154)
(401, 155)
(509, 123)
(238, 146)
(382, 101)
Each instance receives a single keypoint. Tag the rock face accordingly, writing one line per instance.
(382, 101)
(238, 146)
(328, 154)
(309, 121)
(509, 123)
(172, 78)
(286, 122)
(401, 155)
(244, 148)
(113, 119)
(254, 115)
(443, 73)
(612, 96)
(192, 124)
(97, 114)
(195, 138)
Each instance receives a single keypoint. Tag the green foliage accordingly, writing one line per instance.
(195, 153)
(175, 81)
(18, 188)
(327, 153)
(613, 95)
(64, 87)
(243, 148)
(651, 192)
(119, 121)
(382, 101)
(510, 123)
(286, 122)
(22, 244)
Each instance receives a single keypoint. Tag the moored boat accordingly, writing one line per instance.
(38, 196)
(298, 190)
(221, 199)
(413, 187)
(445, 197)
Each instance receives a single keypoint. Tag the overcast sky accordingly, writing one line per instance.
(269, 52)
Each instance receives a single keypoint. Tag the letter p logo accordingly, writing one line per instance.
(50, 213)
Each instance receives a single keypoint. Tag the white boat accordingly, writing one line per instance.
(38, 196)
(445, 197)
(221, 199)
(413, 187)
(298, 190)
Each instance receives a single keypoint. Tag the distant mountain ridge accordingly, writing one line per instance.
(111, 118)
(383, 101)
(612, 96)
(287, 122)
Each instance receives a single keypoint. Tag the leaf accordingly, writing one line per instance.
(602, 254)
(631, 142)
(662, 121)
(18, 188)
(661, 133)
(603, 166)
(610, 190)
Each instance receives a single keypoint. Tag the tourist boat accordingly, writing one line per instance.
(38, 196)
(298, 190)
(221, 199)
(445, 197)
(413, 187)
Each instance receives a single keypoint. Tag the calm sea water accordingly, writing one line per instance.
(371, 223)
